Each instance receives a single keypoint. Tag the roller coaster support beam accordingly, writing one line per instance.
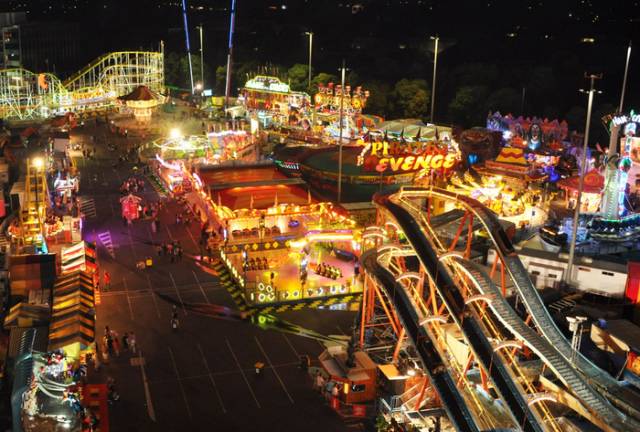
(396, 351)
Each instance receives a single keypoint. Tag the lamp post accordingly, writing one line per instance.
(201, 56)
(624, 80)
(310, 34)
(583, 165)
(232, 24)
(435, 68)
(343, 70)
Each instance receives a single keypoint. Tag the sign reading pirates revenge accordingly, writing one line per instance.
(404, 157)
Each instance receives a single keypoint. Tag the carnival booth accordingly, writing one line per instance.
(79, 257)
(72, 325)
(131, 208)
(593, 184)
(66, 184)
(272, 100)
(279, 241)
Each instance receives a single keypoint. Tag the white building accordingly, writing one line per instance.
(547, 270)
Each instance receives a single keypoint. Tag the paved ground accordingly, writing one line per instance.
(200, 377)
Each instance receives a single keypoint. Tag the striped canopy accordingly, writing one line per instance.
(73, 313)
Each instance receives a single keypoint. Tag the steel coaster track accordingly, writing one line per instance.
(435, 367)
(509, 390)
(610, 387)
(563, 369)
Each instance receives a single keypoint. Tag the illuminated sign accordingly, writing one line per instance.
(624, 118)
(413, 163)
(267, 83)
(406, 156)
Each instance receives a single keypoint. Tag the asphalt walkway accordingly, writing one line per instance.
(200, 377)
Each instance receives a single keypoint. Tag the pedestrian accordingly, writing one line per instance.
(170, 251)
(107, 281)
(116, 344)
(153, 226)
(109, 343)
(165, 248)
(159, 250)
(132, 342)
(179, 253)
(272, 276)
(125, 342)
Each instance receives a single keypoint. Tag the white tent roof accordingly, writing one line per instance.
(411, 128)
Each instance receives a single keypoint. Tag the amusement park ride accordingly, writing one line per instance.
(32, 212)
(25, 95)
(463, 345)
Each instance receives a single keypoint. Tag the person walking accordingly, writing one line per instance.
(109, 342)
(107, 281)
(125, 341)
(154, 228)
(132, 342)
(116, 343)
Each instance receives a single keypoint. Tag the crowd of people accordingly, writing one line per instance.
(113, 345)
(172, 249)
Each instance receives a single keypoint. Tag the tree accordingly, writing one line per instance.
(475, 74)
(322, 78)
(176, 70)
(298, 75)
(576, 117)
(378, 100)
(410, 99)
(541, 87)
(221, 77)
(468, 106)
(506, 100)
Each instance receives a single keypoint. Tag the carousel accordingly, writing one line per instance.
(141, 102)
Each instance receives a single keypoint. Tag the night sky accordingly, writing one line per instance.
(385, 40)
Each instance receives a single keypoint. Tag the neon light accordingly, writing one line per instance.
(175, 167)
(225, 133)
(196, 177)
(624, 118)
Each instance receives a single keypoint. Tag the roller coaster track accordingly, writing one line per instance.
(435, 367)
(26, 95)
(593, 378)
(510, 391)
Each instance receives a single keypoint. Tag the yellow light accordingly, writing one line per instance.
(346, 388)
(175, 134)
(38, 162)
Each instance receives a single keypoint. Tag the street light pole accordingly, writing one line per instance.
(232, 24)
(201, 56)
(583, 165)
(186, 35)
(624, 80)
(433, 84)
(310, 34)
(343, 69)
